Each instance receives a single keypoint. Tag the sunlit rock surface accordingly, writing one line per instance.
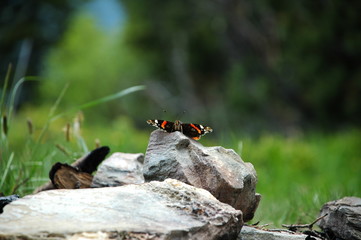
(163, 210)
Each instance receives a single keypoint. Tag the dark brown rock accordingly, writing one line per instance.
(343, 218)
(87, 164)
(220, 171)
(64, 176)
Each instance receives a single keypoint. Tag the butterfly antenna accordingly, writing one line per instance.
(180, 114)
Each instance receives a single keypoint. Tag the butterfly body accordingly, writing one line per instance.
(192, 130)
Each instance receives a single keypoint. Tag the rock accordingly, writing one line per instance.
(250, 233)
(344, 218)
(162, 210)
(64, 176)
(120, 169)
(87, 164)
(220, 171)
(4, 200)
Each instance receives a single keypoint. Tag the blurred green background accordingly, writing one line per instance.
(278, 81)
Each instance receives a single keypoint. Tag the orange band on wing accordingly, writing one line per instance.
(196, 138)
(163, 124)
(193, 126)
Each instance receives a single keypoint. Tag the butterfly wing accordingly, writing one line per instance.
(192, 130)
(162, 124)
(195, 131)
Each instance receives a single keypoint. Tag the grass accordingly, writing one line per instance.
(27, 158)
(28, 149)
(296, 176)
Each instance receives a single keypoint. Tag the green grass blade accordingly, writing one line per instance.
(3, 116)
(112, 97)
(57, 102)
(104, 99)
(5, 173)
(14, 92)
(52, 112)
(6, 82)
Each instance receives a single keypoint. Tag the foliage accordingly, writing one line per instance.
(296, 176)
(28, 150)
(28, 28)
(241, 66)
(90, 60)
(28, 157)
(253, 65)
(19, 164)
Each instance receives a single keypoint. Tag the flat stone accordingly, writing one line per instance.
(120, 169)
(163, 210)
(220, 171)
(251, 233)
(344, 218)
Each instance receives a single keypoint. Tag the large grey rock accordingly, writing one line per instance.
(344, 218)
(250, 233)
(120, 169)
(162, 210)
(220, 171)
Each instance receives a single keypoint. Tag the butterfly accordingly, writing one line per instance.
(192, 130)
